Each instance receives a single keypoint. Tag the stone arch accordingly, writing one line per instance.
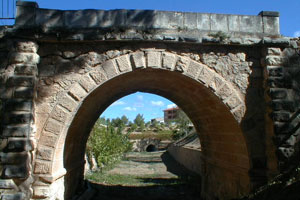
(212, 103)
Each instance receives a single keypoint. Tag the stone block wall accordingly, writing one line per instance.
(141, 145)
(282, 83)
(188, 157)
(19, 62)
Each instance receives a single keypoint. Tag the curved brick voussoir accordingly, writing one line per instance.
(87, 82)
(195, 70)
(158, 59)
(110, 68)
(77, 92)
(123, 63)
(138, 60)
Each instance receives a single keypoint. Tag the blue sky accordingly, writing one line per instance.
(151, 106)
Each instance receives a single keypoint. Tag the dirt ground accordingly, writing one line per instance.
(143, 164)
(162, 169)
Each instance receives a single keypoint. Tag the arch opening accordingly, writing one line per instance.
(148, 163)
(151, 148)
(224, 152)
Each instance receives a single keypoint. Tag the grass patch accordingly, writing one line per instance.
(161, 135)
(132, 180)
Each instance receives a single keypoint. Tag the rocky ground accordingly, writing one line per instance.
(160, 178)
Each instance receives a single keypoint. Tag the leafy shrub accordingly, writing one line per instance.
(182, 125)
(140, 121)
(107, 144)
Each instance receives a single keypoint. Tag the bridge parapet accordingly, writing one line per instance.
(190, 26)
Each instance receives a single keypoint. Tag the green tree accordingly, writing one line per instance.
(102, 120)
(168, 124)
(140, 121)
(125, 119)
(182, 122)
(155, 124)
(118, 123)
(148, 124)
(133, 127)
(107, 122)
(142, 126)
(107, 144)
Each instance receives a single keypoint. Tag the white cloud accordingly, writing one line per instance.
(129, 108)
(171, 105)
(118, 103)
(157, 103)
(297, 34)
(140, 97)
(138, 105)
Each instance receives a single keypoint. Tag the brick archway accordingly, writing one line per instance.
(212, 103)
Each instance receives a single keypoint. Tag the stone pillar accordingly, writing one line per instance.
(17, 125)
(272, 71)
(282, 81)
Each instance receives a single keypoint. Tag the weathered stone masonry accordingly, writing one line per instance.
(282, 84)
(61, 69)
(18, 127)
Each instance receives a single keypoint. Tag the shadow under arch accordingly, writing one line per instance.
(224, 152)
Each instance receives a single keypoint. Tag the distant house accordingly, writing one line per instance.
(170, 114)
(159, 120)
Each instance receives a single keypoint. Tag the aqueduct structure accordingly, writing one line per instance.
(235, 76)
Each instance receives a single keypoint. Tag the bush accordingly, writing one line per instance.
(107, 144)
(140, 121)
(182, 125)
